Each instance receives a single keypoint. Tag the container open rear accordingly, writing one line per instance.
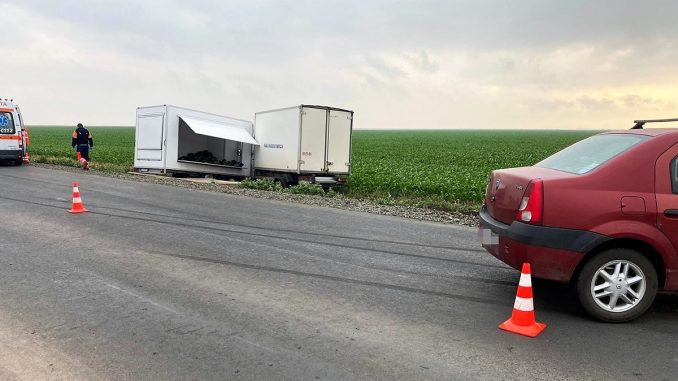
(177, 140)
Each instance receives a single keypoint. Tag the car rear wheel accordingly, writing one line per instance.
(617, 285)
(18, 161)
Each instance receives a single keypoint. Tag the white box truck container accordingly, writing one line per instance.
(176, 140)
(310, 143)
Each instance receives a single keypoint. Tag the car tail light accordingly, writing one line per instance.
(531, 208)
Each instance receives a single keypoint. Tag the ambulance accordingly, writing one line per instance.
(14, 138)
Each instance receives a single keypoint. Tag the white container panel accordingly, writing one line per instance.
(149, 155)
(278, 135)
(313, 139)
(149, 127)
(149, 137)
(339, 142)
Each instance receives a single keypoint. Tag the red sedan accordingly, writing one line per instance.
(601, 214)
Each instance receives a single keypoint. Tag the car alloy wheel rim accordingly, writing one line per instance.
(618, 286)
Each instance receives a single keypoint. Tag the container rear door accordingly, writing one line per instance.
(339, 142)
(313, 138)
(278, 135)
(149, 136)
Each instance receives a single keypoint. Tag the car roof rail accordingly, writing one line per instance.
(640, 123)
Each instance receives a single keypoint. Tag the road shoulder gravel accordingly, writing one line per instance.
(338, 202)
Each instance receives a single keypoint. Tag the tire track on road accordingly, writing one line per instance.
(404, 243)
(336, 279)
(263, 235)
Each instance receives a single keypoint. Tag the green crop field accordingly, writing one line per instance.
(440, 169)
(444, 168)
(113, 147)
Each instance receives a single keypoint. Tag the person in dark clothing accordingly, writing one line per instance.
(82, 141)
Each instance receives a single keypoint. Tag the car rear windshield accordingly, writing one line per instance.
(590, 153)
(6, 123)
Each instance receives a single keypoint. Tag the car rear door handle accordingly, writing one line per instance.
(671, 213)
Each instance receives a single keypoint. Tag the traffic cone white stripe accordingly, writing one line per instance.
(77, 200)
(76, 190)
(522, 304)
(525, 280)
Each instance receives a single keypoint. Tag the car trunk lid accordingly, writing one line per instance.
(506, 188)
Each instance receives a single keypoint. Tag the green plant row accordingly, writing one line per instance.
(275, 186)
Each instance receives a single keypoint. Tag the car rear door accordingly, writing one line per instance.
(23, 132)
(666, 188)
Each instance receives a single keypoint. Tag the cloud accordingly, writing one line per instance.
(592, 103)
(380, 68)
(398, 64)
(637, 101)
(423, 62)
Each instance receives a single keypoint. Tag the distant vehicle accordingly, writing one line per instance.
(13, 134)
(601, 214)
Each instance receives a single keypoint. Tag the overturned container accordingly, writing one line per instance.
(176, 140)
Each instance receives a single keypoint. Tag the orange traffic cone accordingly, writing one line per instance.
(522, 319)
(85, 163)
(78, 206)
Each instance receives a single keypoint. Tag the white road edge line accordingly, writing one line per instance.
(142, 298)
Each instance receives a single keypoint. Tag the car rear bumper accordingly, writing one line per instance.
(10, 154)
(553, 253)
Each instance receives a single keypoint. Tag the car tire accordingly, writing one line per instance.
(617, 285)
(18, 162)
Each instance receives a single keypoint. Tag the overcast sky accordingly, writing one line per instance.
(398, 64)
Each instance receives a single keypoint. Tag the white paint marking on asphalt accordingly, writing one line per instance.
(255, 344)
(142, 298)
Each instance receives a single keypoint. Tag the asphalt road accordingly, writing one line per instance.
(163, 283)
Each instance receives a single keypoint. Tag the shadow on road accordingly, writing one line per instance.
(556, 296)
(7, 163)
